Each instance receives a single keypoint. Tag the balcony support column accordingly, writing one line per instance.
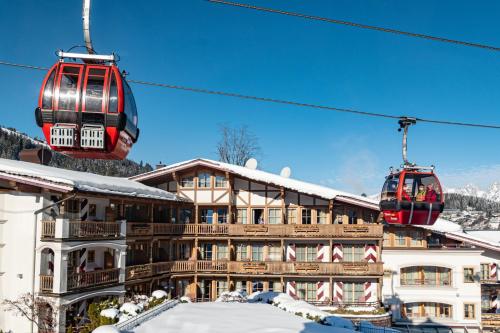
(61, 228)
(122, 256)
(60, 284)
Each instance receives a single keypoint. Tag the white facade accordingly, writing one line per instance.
(457, 293)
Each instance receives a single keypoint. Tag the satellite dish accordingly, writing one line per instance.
(251, 163)
(286, 172)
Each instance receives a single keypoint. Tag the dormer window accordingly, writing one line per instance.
(204, 179)
(187, 181)
(220, 181)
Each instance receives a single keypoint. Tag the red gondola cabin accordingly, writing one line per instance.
(412, 197)
(87, 111)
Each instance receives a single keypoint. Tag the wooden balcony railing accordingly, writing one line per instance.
(255, 230)
(84, 229)
(490, 320)
(48, 229)
(256, 267)
(81, 229)
(94, 278)
(307, 230)
(46, 283)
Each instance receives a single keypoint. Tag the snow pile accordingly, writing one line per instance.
(159, 294)
(301, 308)
(131, 309)
(110, 313)
(367, 327)
(84, 181)
(232, 296)
(106, 329)
(212, 317)
(185, 299)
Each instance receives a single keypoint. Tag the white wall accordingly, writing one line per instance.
(457, 294)
(16, 256)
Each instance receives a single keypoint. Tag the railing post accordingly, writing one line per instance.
(62, 228)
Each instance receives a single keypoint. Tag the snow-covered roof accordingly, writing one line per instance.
(486, 239)
(69, 180)
(265, 177)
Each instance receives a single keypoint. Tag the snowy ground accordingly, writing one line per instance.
(231, 317)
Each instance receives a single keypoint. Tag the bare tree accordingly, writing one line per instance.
(237, 145)
(40, 311)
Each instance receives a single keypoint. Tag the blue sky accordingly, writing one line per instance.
(195, 43)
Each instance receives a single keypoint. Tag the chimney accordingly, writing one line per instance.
(40, 155)
(160, 165)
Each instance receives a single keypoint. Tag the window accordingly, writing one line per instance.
(354, 292)
(184, 251)
(274, 215)
(113, 96)
(222, 252)
(92, 210)
(306, 216)
(390, 188)
(186, 215)
(387, 238)
(354, 252)
(257, 252)
(91, 256)
(161, 214)
(274, 253)
(400, 238)
(468, 275)
(221, 287)
(206, 251)
(485, 271)
(241, 252)
(48, 92)
(417, 238)
(306, 291)
(257, 286)
(274, 286)
(321, 216)
(427, 310)
(94, 91)
(425, 275)
(338, 215)
(306, 252)
(241, 285)
(222, 215)
(241, 215)
(291, 216)
(207, 215)
(258, 216)
(187, 182)
(204, 180)
(173, 218)
(68, 88)
(469, 311)
(353, 217)
(220, 181)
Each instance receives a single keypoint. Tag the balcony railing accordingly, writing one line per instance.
(256, 230)
(62, 228)
(256, 267)
(490, 320)
(425, 282)
(46, 283)
(93, 229)
(48, 229)
(92, 279)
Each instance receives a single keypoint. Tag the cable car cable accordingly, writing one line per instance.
(357, 25)
(276, 101)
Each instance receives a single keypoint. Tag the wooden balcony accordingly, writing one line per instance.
(93, 279)
(256, 267)
(307, 230)
(80, 229)
(46, 283)
(369, 231)
(48, 229)
(490, 320)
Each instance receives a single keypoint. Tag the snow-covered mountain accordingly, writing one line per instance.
(492, 193)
